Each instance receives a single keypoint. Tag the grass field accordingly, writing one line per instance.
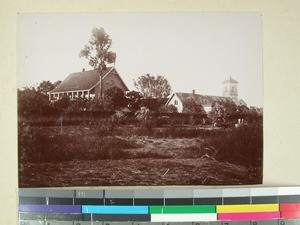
(96, 155)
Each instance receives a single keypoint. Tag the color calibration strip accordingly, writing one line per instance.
(238, 206)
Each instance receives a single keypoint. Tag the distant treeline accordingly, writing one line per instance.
(67, 118)
(118, 107)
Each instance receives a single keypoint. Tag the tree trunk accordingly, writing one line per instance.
(101, 87)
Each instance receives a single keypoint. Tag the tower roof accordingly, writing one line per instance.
(230, 80)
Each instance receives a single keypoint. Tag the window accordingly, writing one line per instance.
(175, 102)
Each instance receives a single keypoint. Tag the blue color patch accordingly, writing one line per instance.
(115, 209)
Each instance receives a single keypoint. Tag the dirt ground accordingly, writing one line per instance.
(165, 161)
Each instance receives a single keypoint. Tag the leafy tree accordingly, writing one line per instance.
(94, 105)
(98, 54)
(222, 112)
(56, 83)
(253, 114)
(242, 112)
(191, 106)
(143, 115)
(45, 86)
(30, 100)
(217, 113)
(63, 104)
(79, 104)
(133, 100)
(153, 87)
(114, 99)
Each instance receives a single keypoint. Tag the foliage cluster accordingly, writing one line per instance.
(98, 53)
(153, 90)
(191, 106)
(46, 146)
(241, 146)
(153, 87)
(33, 100)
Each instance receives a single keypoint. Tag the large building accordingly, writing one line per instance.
(230, 96)
(86, 84)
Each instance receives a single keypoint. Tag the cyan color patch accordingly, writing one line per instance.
(115, 209)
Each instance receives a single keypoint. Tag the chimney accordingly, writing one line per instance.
(193, 92)
(83, 69)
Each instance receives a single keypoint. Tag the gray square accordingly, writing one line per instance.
(89, 193)
(31, 222)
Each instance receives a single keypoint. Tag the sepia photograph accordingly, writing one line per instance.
(139, 99)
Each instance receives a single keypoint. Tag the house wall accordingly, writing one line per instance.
(179, 104)
(112, 80)
(207, 109)
(176, 102)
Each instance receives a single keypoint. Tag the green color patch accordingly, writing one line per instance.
(182, 209)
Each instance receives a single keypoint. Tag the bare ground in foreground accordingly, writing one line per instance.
(164, 161)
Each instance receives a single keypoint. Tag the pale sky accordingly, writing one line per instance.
(192, 50)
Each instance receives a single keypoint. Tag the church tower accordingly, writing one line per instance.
(230, 89)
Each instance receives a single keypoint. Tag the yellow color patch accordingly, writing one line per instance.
(248, 208)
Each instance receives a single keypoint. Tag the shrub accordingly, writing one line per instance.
(41, 145)
(242, 146)
(114, 99)
(31, 100)
(146, 123)
(108, 148)
(119, 117)
(174, 131)
(162, 120)
(168, 109)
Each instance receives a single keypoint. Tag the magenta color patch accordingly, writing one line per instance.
(249, 216)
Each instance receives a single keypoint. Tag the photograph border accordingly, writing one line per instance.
(220, 50)
(280, 62)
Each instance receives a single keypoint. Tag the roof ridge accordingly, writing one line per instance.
(202, 95)
(82, 75)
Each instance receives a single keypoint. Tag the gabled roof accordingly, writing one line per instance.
(230, 80)
(84, 80)
(241, 102)
(204, 100)
(153, 103)
(158, 101)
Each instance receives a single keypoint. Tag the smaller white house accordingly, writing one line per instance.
(230, 96)
(179, 99)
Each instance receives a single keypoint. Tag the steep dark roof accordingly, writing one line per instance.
(204, 100)
(153, 103)
(159, 101)
(84, 80)
(230, 80)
